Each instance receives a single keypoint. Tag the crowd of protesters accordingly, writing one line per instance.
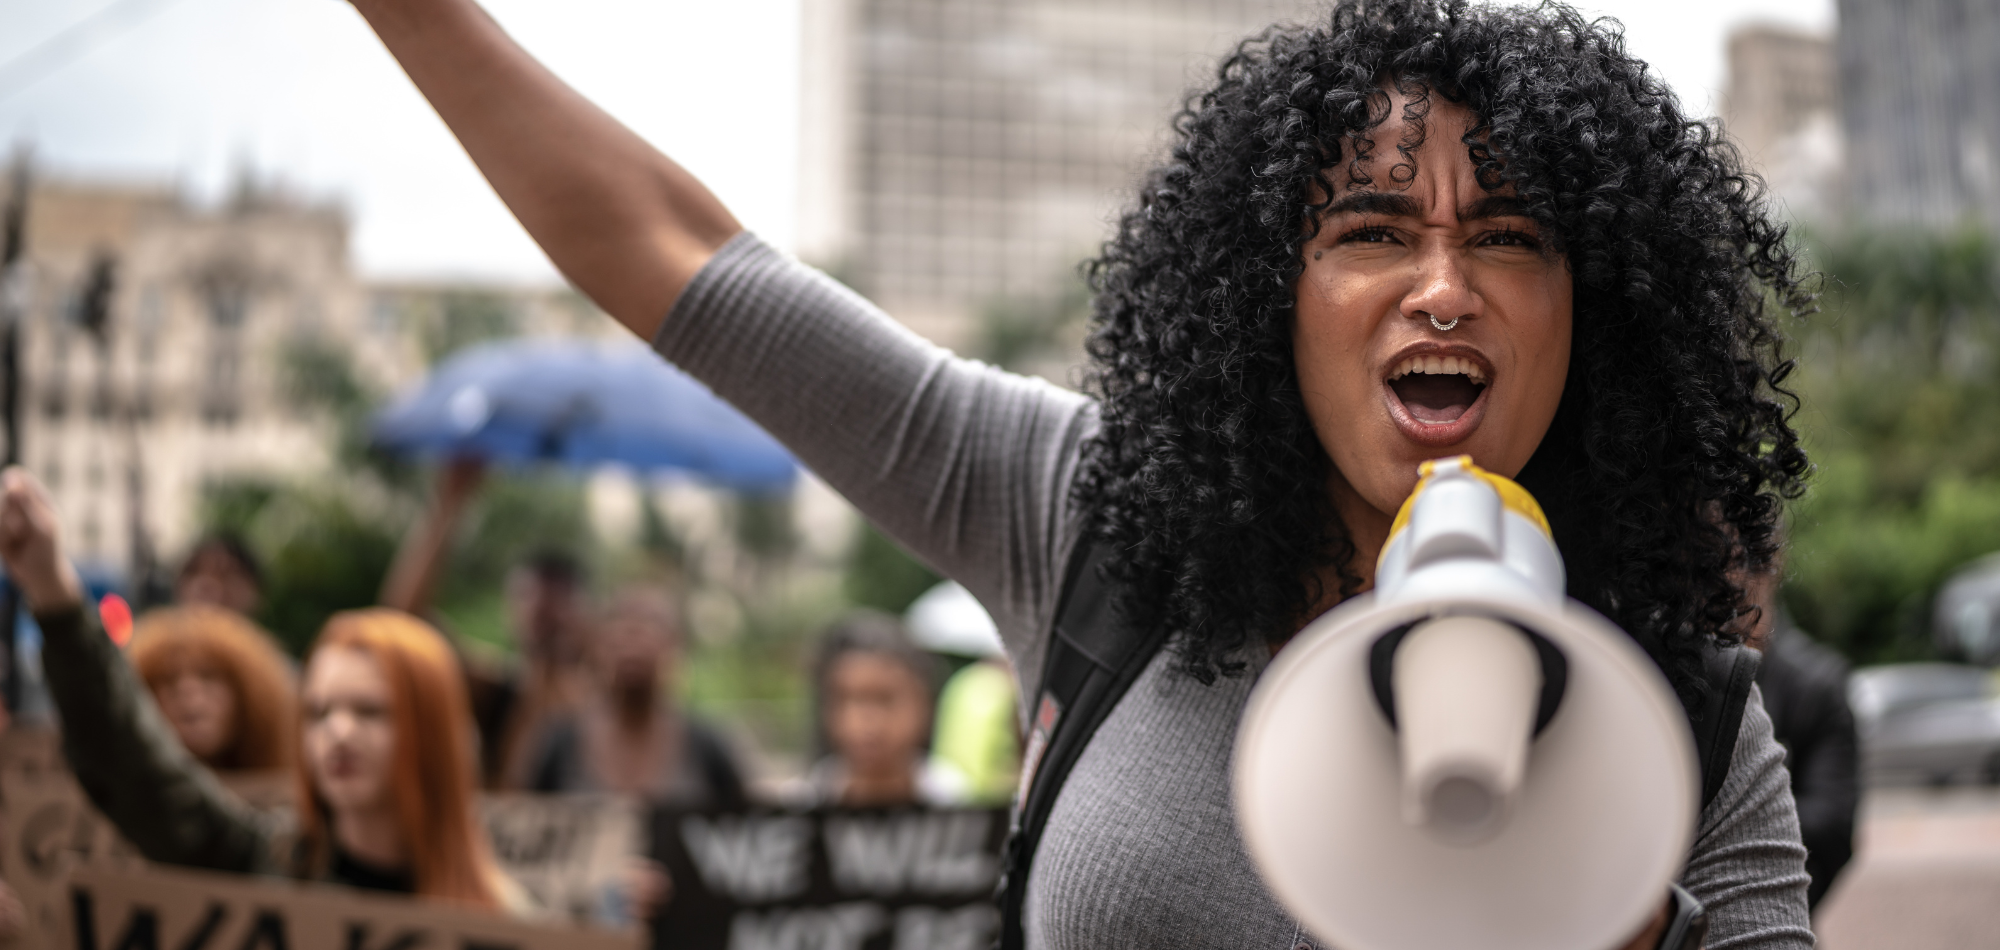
(375, 725)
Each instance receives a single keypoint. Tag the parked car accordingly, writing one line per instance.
(1967, 614)
(1926, 722)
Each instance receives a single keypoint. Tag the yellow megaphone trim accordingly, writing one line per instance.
(1515, 498)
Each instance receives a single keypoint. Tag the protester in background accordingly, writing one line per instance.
(977, 729)
(385, 771)
(1805, 691)
(875, 692)
(220, 570)
(547, 615)
(222, 683)
(629, 736)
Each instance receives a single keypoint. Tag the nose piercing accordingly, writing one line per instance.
(1441, 326)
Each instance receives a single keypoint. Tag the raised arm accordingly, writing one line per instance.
(624, 223)
(413, 575)
(123, 752)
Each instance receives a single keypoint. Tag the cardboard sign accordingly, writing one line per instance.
(34, 750)
(47, 830)
(567, 851)
(163, 909)
(906, 879)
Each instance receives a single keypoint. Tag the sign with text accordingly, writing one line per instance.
(568, 852)
(32, 749)
(173, 909)
(48, 829)
(833, 879)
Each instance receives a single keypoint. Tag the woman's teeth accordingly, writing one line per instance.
(1440, 365)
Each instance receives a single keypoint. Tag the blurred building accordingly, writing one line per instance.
(1781, 106)
(189, 376)
(959, 155)
(1920, 107)
(179, 382)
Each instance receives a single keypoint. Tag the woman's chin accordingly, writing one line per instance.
(346, 795)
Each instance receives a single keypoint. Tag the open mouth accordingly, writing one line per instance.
(1437, 390)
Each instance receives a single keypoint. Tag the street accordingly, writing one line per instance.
(1926, 874)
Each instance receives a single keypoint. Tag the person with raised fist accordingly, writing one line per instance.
(385, 774)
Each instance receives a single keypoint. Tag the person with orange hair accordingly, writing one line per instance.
(221, 683)
(385, 772)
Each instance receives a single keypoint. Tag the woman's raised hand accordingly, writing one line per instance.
(624, 223)
(31, 544)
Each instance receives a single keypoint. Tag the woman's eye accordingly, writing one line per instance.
(1512, 238)
(1374, 235)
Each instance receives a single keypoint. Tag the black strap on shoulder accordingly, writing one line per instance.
(1093, 658)
(1730, 672)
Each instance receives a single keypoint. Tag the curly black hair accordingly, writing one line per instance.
(1671, 451)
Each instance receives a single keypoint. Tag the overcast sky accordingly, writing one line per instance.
(299, 90)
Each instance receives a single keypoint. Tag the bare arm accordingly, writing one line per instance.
(624, 223)
(419, 560)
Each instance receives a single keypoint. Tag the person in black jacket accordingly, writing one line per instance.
(1805, 691)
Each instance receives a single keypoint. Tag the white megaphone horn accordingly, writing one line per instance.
(1465, 757)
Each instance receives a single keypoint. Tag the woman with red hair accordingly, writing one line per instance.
(386, 766)
(222, 684)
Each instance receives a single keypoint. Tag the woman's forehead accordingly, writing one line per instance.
(345, 669)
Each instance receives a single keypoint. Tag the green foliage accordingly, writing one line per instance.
(514, 514)
(763, 525)
(1899, 379)
(1017, 332)
(463, 318)
(658, 540)
(319, 379)
(757, 678)
(323, 549)
(326, 543)
(880, 574)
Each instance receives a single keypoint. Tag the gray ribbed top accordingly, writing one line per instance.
(969, 467)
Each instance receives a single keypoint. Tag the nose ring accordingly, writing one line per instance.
(1441, 326)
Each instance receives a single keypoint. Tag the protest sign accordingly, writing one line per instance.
(567, 851)
(31, 749)
(175, 909)
(47, 829)
(834, 879)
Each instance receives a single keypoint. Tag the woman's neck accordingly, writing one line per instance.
(1367, 529)
(371, 836)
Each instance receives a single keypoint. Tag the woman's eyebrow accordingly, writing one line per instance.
(1376, 202)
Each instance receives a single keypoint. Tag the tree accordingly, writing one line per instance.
(1899, 382)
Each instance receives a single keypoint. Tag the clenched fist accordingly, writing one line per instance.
(31, 544)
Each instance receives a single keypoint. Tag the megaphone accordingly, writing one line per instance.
(1464, 757)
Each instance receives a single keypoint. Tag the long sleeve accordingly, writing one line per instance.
(131, 764)
(967, 466)
(1747, 866)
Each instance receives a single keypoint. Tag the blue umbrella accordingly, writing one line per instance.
(581, 403)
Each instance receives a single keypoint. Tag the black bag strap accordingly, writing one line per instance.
(1730, 672)
(1093, 658)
